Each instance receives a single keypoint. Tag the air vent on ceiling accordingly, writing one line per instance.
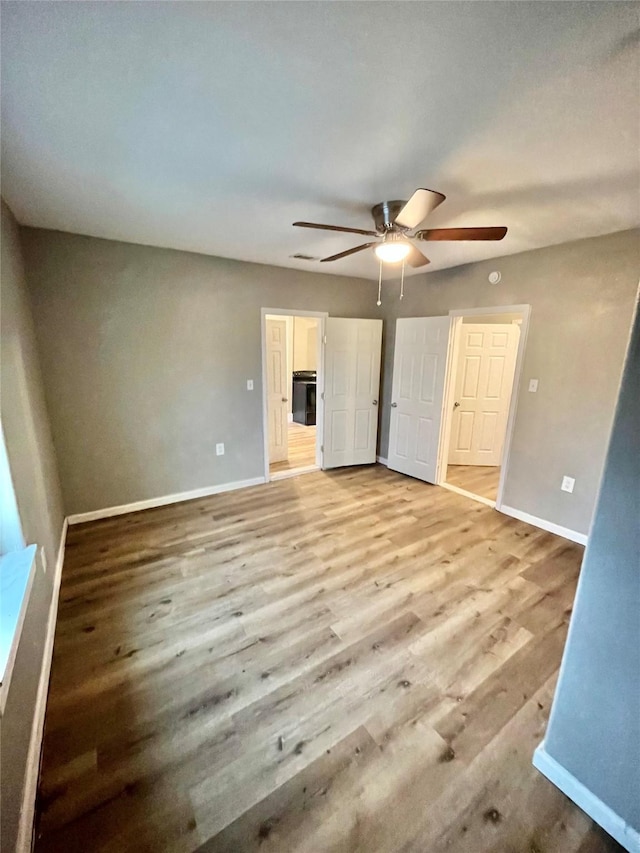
(300, 257)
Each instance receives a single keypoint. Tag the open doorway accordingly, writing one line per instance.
(479, 388)
(292, 374)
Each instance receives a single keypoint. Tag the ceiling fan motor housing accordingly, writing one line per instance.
(384, 215)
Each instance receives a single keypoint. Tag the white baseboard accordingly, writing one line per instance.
(603, 815)
(27, 811)
(382, 460)
(567, 533)
(165, 500)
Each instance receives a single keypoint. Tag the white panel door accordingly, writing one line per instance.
(351, 389)
(484, 379)
(419, 366)
(277, 390)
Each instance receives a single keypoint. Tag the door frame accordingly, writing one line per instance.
(293, 312)
(456, 315)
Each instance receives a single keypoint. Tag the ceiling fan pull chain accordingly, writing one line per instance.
(402, 282)
(379, 302)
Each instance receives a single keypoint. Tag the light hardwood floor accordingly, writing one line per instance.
(480, 479)
(302, 449)
(346, 661)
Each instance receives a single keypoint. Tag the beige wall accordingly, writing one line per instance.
(582, 296)
(146, 353)
(305, 343)
(35, 478)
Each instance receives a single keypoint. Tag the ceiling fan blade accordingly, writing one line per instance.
(335, 228)
(461, 234)
(348, 252)
(415, 258)
(419, 206)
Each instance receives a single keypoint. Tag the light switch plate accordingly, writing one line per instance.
(220, 449)
(249, 384)
(567, 484)
(533, 385)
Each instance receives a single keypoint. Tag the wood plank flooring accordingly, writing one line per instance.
(480, 479)
(346, 661)
(302, 449)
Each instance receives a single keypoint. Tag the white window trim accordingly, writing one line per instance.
(17, 572)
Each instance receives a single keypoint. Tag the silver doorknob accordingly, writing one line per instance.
(394, 405)
(375, 402)
(455, 405)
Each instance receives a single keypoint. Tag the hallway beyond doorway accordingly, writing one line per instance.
(302, 449)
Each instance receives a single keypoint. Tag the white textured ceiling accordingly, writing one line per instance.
(213, 126)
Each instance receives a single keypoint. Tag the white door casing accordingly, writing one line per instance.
(483, 385)
(419, 367)
(277, 390)
(351, 388)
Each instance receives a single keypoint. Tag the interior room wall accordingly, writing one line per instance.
(146, 354)
(37, 489)
(594, 729)
(305, 343)
(312, 346)
(582, 295)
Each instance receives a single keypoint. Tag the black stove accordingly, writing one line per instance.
(304, 397)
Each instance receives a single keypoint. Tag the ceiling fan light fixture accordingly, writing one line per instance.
(393, 249)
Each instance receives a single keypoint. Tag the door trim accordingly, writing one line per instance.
(456, 315)
(293, 312)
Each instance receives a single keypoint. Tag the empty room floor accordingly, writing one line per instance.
(480, 479)
(347, 661)
(302, 449)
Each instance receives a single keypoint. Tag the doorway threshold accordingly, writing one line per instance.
(472, 495)
(294, 472)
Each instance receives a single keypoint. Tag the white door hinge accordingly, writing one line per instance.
(324, 340)
(322, 448)
(322, 395)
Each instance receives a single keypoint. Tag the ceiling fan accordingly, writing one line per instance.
(394, 220)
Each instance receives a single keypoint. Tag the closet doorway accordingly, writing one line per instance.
(478, 409)
(453, 398)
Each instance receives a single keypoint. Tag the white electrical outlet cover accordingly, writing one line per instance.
(220, 449)
(249, 384)
(533, 385)
(567, 484)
